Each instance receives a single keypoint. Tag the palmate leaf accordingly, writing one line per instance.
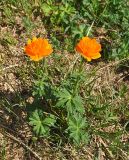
(64, 94)
(41, 124)
(49, 121)
(39, 87)
(66, 100)
(61, 102)
(77, 126)
(36, 122)
(78, 103)
(63, 97)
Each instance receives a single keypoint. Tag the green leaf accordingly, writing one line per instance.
(61, 103)
(41, 124)
(36, 122)
(69, 106)
(64, 94)
(77, 101)
(66, 100)
(63, 97)
(77, 126)
(46, 9)
(49, 121)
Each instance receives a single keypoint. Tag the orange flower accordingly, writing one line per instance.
(89, 48)
(37, 48)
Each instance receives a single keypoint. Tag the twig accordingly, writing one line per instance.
(24, 145)
(106, 149)
(124, 155)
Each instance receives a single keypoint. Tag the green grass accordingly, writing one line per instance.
(43, 97)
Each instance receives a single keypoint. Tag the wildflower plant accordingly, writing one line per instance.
(63, 107)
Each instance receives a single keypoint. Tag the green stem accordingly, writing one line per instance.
(37, 69)
(42, 67)
(78, 78)
(46, 66)
(81, 65)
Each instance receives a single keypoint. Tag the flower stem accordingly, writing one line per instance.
(78, 77)
(37, 69)
(45, 66)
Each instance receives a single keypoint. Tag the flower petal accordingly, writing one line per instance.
(89, 48)
(34, 39)
(29, 41)
(96, 56)
(38, 48)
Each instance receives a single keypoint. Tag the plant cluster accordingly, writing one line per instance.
(64, 106)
